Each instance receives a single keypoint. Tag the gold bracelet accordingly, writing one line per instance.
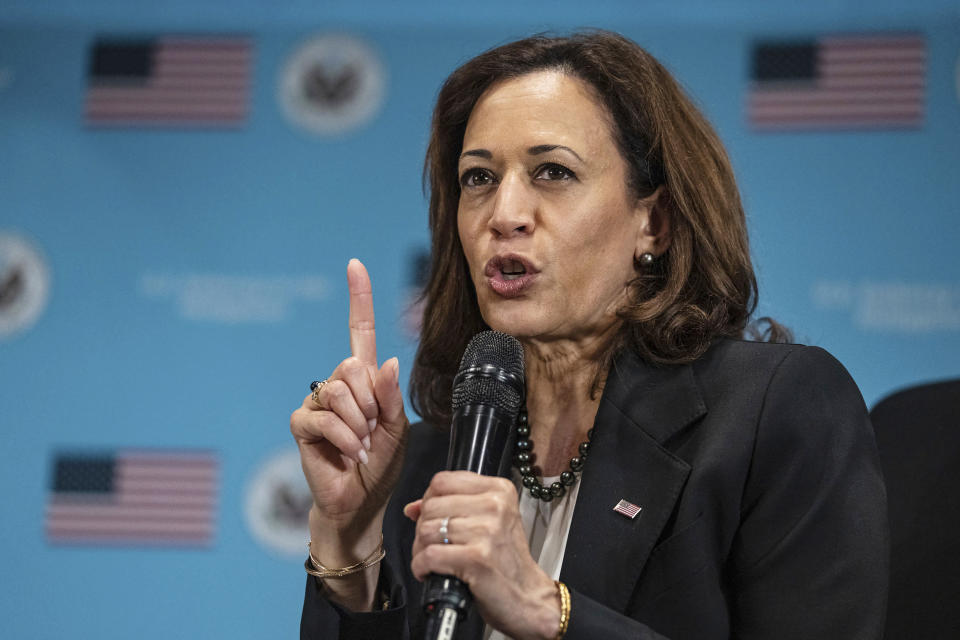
(314, 568)
(564, 608)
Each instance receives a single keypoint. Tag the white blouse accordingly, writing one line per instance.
(546, 525)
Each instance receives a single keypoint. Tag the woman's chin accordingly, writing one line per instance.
(514, 323)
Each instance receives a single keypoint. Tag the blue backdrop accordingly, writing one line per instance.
(196, 275)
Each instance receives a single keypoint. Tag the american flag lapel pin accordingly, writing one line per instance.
(627, 508)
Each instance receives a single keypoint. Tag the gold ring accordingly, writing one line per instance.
(316, 386)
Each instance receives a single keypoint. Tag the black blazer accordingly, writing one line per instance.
(763, 508)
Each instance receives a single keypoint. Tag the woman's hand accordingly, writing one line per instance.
(352, 442)
(487, 549)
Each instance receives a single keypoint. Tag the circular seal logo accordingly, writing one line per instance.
(332, 84)
(278, 503)
(24, 284)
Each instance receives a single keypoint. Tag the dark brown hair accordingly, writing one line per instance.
(703, 287)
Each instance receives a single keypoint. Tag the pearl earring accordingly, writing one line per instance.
(646, 259)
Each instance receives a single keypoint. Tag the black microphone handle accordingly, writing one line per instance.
(481, 438)
(446, 601)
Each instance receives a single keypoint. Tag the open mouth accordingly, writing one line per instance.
(509, 267)
(510, 275)
(512, 269)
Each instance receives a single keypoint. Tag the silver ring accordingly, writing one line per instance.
(443, 530)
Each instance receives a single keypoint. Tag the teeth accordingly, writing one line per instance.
(512, 269)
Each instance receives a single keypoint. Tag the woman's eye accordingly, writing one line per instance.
(554, 172)
(475, 178)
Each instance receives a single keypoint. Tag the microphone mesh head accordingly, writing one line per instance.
(491, 373)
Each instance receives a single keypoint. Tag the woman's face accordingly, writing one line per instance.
(546, 220)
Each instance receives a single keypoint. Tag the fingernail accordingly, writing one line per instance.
(408, 510)
(396, 371)
(363, 458)
(366, 442)
(372, 424)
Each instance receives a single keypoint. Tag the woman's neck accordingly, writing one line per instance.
(561, 399)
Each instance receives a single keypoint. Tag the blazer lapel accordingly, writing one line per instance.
(640, 408)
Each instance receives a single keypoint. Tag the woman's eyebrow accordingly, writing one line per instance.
(534, 151)
(544, 148)
(481, 153)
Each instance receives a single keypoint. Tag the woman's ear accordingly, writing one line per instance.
(653, 224)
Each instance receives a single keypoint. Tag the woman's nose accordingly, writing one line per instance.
(514, 208)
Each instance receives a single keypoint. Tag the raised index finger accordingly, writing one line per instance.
(363, 337)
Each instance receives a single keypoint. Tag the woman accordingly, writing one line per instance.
(581, 203)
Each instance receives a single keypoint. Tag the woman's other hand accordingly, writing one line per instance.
(351, 441)
(487, 549)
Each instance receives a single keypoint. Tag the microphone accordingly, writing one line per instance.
(488, 391)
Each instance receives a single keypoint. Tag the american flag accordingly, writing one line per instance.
(169, 81)
(627, 508)
(133, 497)
(859, 81)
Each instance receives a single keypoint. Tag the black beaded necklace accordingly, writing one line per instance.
(523, 461)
